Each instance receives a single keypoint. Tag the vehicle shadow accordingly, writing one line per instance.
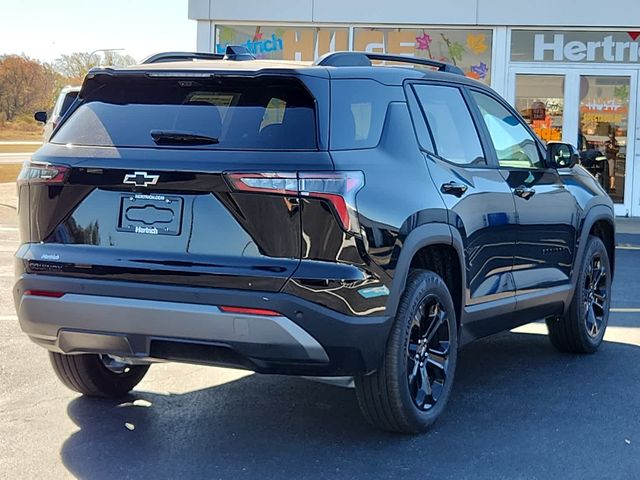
(519, 410)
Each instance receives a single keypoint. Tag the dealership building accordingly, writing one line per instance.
(570, 68)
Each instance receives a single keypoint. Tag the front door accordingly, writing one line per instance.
(592, 109)
(547, 212)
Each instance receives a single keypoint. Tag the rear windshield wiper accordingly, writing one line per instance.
(173, 137)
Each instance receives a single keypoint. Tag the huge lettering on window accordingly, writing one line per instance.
(283, 43)
(468, 49)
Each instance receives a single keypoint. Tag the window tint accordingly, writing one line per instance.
(514, 145)
(358, 112)
(69, 98)
(262, 114)
(454, 133)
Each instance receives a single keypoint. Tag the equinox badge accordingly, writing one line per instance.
(140, 179)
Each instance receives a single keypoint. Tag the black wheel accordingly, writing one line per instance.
(582, 329)
(96, 375)
(411, 388)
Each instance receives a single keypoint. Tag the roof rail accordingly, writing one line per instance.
(232, 52)
(363, 59)
(181, 56)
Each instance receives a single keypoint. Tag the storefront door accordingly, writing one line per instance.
(593, 109)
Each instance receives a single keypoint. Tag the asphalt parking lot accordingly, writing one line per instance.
(519, 410)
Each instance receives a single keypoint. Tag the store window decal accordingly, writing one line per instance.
(283, 43)
(468, 49)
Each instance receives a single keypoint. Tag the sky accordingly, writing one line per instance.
(45, 29)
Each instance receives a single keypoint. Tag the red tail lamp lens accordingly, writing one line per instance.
(338, 188)
(47, 173)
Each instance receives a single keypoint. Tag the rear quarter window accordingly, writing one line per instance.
(358, 112)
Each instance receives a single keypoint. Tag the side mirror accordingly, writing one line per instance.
(562, 155)
(41, 117)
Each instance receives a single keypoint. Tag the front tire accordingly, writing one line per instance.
(96, 375)
(582, 329)
(410, 390)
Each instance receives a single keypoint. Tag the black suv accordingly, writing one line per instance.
(341, 219)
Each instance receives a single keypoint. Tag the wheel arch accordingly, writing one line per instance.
(437, 248)
(600, 222)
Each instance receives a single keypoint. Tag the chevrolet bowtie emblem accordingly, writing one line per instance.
(140, 179)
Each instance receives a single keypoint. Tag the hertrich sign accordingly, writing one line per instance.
(575, 46)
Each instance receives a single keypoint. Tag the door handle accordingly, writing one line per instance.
(453, 188)
(524, 192)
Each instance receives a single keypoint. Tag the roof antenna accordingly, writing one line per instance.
(238, 53)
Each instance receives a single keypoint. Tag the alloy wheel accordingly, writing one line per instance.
(428, 353)
(595, 296)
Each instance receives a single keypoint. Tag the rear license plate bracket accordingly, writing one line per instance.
(150, 214)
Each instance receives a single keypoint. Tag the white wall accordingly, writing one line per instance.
(565, 13)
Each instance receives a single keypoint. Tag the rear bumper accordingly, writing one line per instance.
(148, 321)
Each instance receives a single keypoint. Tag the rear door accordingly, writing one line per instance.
(140, 182)
(480, 203)
(547, 211)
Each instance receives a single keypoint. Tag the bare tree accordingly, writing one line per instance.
(77, 64)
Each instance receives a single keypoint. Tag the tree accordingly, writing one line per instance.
(76, 65)
(26, 85)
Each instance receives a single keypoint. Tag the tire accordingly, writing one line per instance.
(582, 329)
(96, 375)
(393, 398)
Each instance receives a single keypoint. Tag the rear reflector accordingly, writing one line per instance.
(44, 293)
(338, 188)
(33, 172)
(250, 311)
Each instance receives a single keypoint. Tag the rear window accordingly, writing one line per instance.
(358, 111)
(266, 113)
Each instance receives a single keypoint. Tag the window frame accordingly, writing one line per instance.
(542, 150)
(489, 155)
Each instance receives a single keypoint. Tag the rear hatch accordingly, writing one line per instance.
(177, 177)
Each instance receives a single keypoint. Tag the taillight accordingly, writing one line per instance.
(338, 188)
(33, 172)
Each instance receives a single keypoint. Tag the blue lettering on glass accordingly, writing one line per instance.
(257, 47)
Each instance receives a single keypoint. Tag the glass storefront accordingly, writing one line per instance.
(603, 126)
(540, 100)
(581, 87)
(470, 49)
(283, 43)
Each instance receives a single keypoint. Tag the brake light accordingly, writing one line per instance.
(338, 188)
(44, 293)
(33, 172)
(250, 311)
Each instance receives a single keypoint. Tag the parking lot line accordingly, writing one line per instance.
(627, 247)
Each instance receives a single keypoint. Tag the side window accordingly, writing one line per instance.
(515, 146)
(454, 133)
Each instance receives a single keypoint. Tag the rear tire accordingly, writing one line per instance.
(582, 329)
(89, 374)
(410, 390)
